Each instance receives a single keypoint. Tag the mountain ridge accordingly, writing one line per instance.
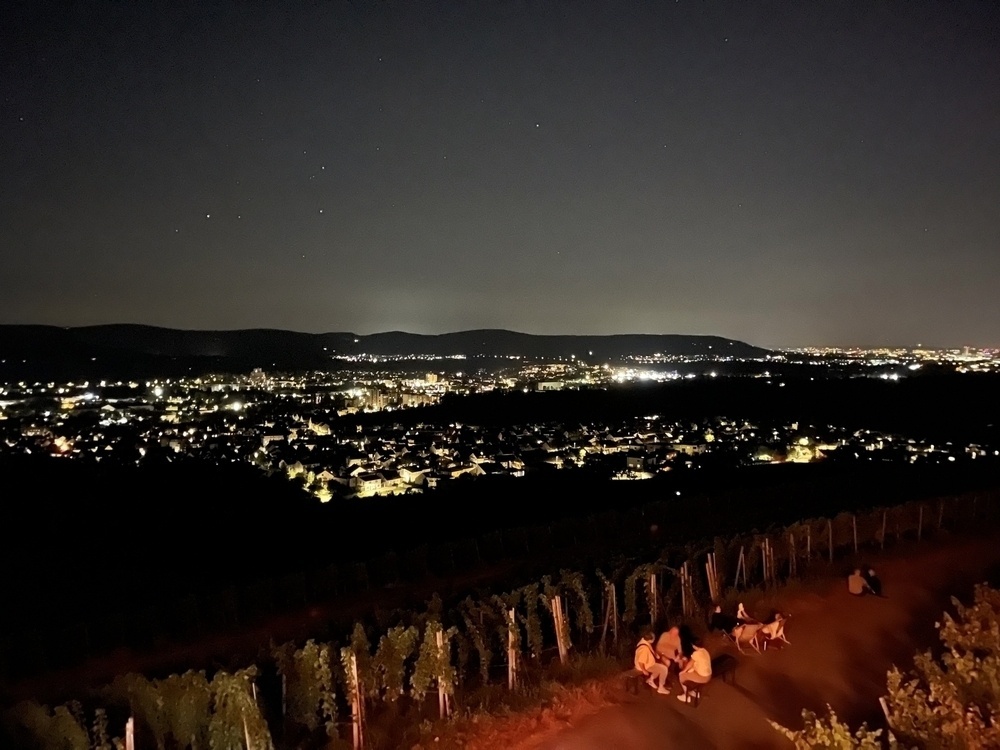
(51, 351)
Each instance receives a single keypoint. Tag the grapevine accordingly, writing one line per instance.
(394, 648)
(57, 728)
(187, 703)
(573, 581)
(470, 612)
(99, 731)
(533, 625)
(425, 668)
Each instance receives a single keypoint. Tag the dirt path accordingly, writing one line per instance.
(841, 648)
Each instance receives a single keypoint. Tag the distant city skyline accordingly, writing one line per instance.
(784, 174)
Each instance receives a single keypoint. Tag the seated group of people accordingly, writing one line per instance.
(675, 649)
(864, 581)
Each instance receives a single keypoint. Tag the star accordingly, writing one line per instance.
(208, 216)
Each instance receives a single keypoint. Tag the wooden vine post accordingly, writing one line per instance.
(654, 602)
(130, 733)
(829, 533)
(741, 568)
(763, 560)
(687, 591)
(854, 530)
(920, 522)
(941, 514)
(809, 543)
(885, 516)
(771, 567)
(712, 574)
(444, 702)
(767, 556)
(560, 624)
(246, 730)
(791, 555)
(610, 615)
(513, 667)
(246, 733)
(358, 703)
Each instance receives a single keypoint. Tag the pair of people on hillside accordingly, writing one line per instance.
(675, 647)
(864, 581)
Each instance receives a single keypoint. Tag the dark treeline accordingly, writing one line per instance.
(954, 406)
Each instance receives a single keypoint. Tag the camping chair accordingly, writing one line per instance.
(748, 633)
(774, 631)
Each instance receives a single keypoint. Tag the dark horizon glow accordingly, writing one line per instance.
(786, 174)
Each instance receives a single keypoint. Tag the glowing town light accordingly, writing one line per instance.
(236, 406)
(158, 392)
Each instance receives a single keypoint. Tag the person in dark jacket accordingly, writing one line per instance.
(874, 582)
(723, 622)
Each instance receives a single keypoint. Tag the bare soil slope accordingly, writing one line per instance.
(842, 647)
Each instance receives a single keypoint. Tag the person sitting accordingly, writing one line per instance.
(723, 622)
(874, 582)
(647, 664)
(697, 671)
(668, 645)
(856, 583)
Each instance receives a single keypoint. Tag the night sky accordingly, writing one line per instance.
(787, 174)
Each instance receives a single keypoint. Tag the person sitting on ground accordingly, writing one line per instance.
(698, 671)
(723, 622)
(649, 666)
(856, 583)
(874, 582)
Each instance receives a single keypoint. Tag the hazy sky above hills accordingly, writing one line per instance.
(782, 173)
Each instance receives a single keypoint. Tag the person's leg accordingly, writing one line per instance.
(689, 678)
(661, 672)
(684, 678)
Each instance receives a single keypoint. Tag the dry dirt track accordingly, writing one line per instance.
(841, 648)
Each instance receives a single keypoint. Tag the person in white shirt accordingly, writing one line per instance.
(698, 670)
(647, 663)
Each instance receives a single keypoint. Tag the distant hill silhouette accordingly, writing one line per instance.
(107, 351)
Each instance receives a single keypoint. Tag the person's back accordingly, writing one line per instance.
(702, 661)
(856, 583)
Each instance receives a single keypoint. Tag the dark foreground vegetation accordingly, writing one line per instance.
(103, 559)
(391, 663)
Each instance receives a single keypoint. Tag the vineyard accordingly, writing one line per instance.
(407, 667)
(435, 545)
